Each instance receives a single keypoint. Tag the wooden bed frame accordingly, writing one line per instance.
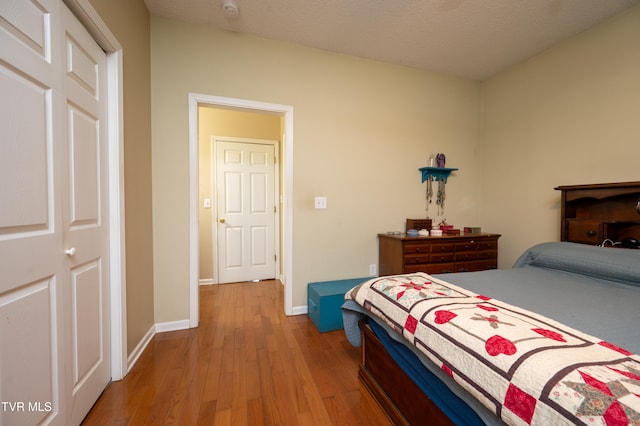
(398, 396)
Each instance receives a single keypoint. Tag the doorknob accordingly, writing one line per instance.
(70, 252)
(221, 220)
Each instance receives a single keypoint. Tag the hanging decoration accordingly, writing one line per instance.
(441, 197)
(439, 175)
(441, 194)
(441, 160)
(429, 195)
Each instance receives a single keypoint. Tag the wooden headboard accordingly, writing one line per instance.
(591, 214)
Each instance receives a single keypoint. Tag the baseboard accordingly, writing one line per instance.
(205, 281)
(300, 310)
(144, 342)
(140, 347)
(163, 327)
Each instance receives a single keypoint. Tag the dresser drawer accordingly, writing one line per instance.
(430, 268)
(467, 246)
(442, 247)
(416, 248)
(438, 268)
(488, 254)
(443, 257)
(584, 231)
(412, 259)
(476, 265)
(488, 245)
(466, 255)
(411, 268)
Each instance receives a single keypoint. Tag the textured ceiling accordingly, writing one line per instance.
(467, 38)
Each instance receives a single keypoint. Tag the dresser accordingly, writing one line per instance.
(401, 254)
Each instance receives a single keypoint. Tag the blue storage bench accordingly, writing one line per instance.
(324, 302)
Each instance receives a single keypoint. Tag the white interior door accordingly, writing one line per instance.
(246, 189)
(54, 324)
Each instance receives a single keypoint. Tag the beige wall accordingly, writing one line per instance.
(361, 131)
(128, 20)
(229, 123)
(567, 116)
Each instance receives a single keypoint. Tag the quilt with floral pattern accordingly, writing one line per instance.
(526, 368)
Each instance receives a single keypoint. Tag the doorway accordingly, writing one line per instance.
(285, 201)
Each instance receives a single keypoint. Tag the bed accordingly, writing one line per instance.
(552, 340)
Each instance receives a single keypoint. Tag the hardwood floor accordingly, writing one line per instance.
(247, 363)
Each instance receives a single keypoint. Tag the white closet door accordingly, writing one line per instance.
(85, 218)
(31, 253)
(53, 306)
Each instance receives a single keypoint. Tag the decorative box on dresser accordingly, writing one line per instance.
(401, 254)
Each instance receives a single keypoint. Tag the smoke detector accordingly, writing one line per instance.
(230, 9)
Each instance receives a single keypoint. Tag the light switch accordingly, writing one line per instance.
(320, 202)
(207, 203)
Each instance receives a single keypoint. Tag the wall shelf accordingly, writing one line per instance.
(436, 173)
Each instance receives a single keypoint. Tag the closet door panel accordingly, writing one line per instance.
(85, 218)
(31, 254)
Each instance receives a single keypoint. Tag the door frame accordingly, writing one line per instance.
(214, 216)
(286, 111)
(92, 21)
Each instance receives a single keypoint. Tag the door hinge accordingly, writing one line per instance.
(275, 257)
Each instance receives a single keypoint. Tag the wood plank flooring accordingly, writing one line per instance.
(247, 363)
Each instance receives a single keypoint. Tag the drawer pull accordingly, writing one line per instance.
(591, 233)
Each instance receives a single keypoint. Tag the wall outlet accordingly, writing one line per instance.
(373, 270)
